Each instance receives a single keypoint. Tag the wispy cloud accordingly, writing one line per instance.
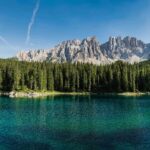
(31, 23)
(6, 42)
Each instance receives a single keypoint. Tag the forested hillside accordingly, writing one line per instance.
(117, 77)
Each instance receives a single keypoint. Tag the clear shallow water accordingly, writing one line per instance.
(76, 123)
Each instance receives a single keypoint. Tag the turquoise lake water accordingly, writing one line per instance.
(75, 123)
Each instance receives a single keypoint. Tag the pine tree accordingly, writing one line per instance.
(50, 80)
(1, 80)
(124, 81)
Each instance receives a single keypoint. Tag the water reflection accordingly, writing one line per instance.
(85, 121)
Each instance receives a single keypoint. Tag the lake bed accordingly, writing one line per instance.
(75, 122)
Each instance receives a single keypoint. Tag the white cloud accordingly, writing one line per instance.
(6, 43)
(31, 23)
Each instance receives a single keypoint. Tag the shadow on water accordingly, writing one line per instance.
(15, 143)
(131, 139)
(75, 122)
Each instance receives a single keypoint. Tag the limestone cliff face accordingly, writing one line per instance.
(36, 55)
(128, 49)
(89, 50)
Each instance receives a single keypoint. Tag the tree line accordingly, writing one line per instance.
(67, 77)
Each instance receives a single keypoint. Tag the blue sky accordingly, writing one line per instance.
(33, 24)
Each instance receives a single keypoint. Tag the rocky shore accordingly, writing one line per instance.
(33, 94)
(23, 94)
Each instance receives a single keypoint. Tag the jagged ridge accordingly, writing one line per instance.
(89, 50)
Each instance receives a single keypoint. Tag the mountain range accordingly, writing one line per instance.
(89, 50)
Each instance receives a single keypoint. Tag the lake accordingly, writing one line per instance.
(75, 123)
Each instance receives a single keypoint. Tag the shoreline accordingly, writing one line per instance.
(36, 94)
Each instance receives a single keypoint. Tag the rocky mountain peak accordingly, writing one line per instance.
(89, 50)
(118, 48)
(114, 41)
(132, 42)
